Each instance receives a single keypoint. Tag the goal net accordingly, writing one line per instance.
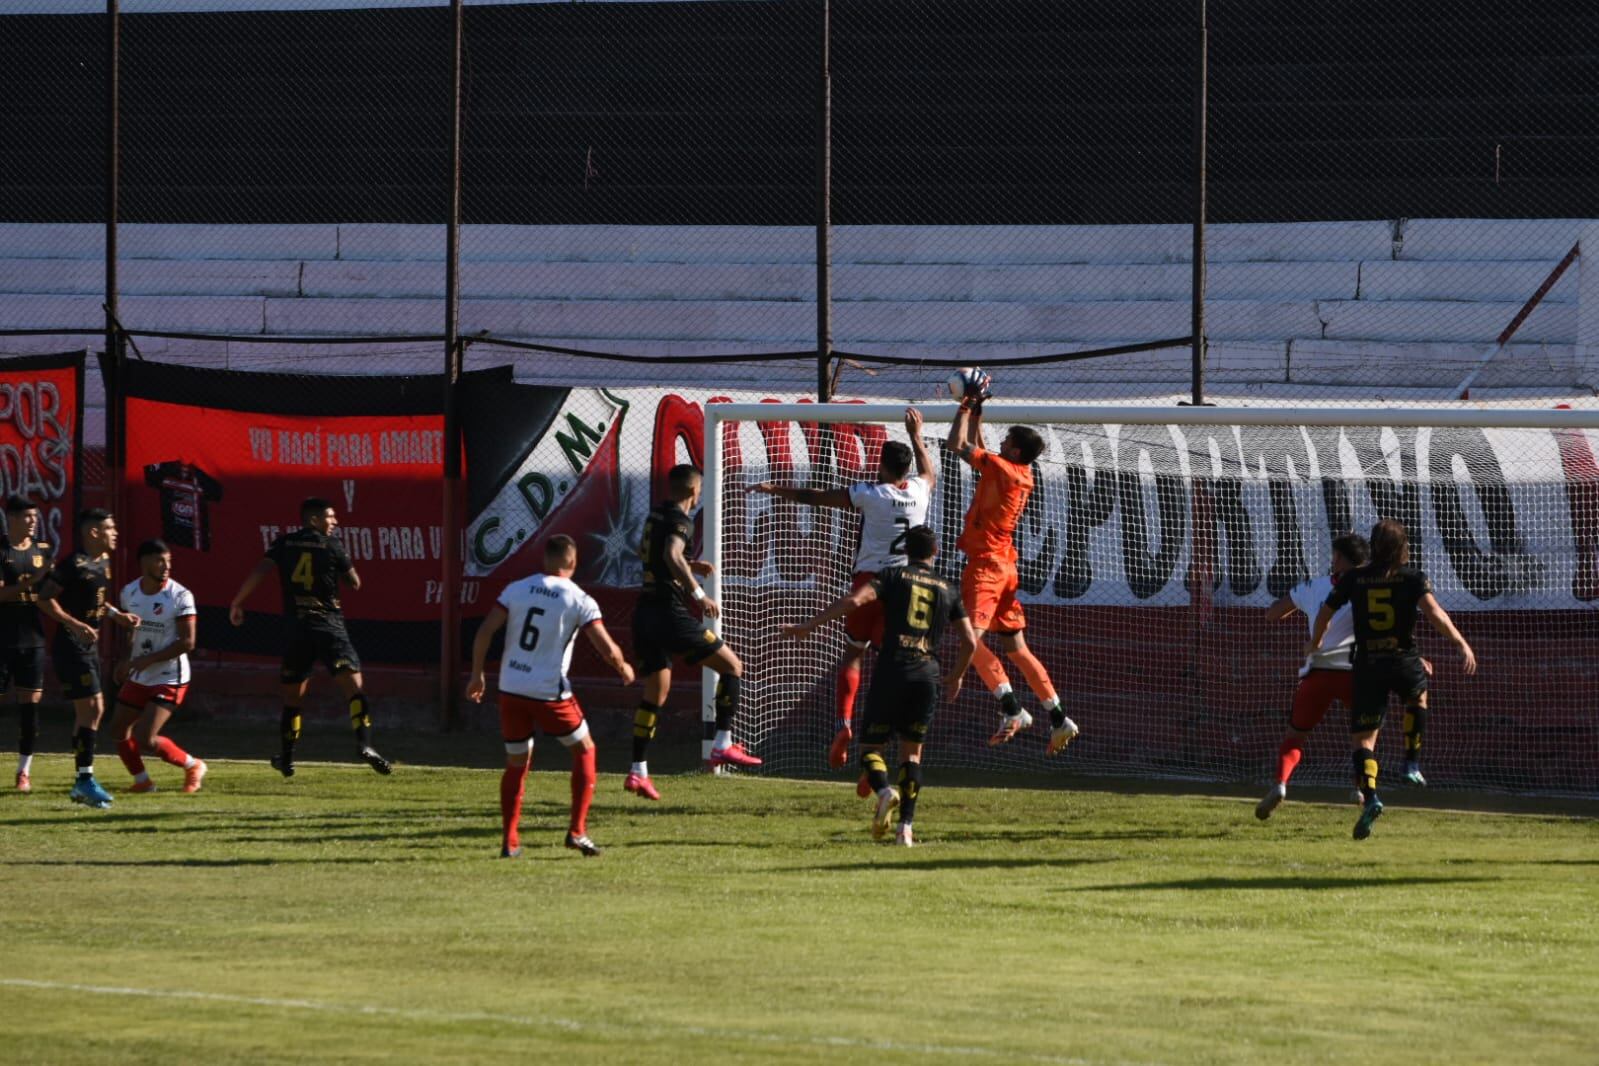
(1153, 543)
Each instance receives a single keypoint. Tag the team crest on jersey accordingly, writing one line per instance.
(38, 561)
(155, 608)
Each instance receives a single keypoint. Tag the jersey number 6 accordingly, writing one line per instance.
(530, 630)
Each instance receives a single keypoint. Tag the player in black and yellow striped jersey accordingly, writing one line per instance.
(312, 564)
(1385, 597)
(905, 689)
(24, 562)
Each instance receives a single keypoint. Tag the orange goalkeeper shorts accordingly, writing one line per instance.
(988, 591)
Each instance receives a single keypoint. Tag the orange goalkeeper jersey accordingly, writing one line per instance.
(1002, 492)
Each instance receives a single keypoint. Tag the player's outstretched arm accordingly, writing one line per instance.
(492, 624)
(251, 580)
(967, 639)
(840, 607)
(924, 459)
(1440, 620)
(965, 431)
(809, 497)
(1282, 607)
(609, 652)
(1323, 620)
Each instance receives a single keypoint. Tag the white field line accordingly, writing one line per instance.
(725, 1034)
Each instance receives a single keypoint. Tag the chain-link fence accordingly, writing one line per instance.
(711, 197)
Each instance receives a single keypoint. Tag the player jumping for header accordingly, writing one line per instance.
(892, 505)
(989, 582)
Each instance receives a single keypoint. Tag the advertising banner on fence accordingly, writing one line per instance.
(1122, 515)
(219, 461)
(41, 437)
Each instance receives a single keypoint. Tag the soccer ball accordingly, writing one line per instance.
(969, 382)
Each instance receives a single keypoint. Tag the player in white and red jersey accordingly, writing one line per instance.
(1323, 677)
(546, 612)
(890, 507)
(155, 673)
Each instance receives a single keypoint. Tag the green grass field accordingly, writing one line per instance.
(345, 917)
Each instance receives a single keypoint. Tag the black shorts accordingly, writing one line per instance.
(1375, 677)
(317, 640)
(900, 703)
(22, 669)
(77, 667)
(664, 631)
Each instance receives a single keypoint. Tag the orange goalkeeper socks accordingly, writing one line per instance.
(988, 667)
(1037, 676)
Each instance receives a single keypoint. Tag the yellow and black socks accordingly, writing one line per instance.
(361, 721)
(289, 732)
(1366, 772)
(726, 701)
(645, 720)
(910, 787)
(1415, 725)
(876, 770)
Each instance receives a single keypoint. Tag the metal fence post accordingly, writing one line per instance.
(1201, 195)
(824, 214)
(450, 584)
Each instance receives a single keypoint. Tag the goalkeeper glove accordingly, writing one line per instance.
(978, 388)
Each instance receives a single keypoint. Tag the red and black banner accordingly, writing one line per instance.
(217, 465)
(41, 436)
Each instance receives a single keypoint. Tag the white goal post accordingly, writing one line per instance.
(1153, 542)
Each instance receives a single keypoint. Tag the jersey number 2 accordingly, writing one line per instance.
(303, 574)
(530, 630)
(903, 524)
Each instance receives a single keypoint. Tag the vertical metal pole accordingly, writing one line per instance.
(450, 585)
(711, 502)
(824, 215)
(116, 410)
(1201, 195)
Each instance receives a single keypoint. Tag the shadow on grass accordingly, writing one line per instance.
(200, 863)
(974, 862)
(1212, 884)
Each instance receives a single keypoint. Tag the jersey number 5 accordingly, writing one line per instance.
(1379, 609)
(303, 574)
(530, 630)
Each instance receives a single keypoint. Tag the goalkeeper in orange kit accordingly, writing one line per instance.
(989, 583)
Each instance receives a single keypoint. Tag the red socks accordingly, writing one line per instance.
(128, 752)
(512, 782)
(170, 753)
(582, 788)
(849, 684)
(1289, 753)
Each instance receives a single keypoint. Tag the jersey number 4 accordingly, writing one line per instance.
(530, 629)
(303, 573)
